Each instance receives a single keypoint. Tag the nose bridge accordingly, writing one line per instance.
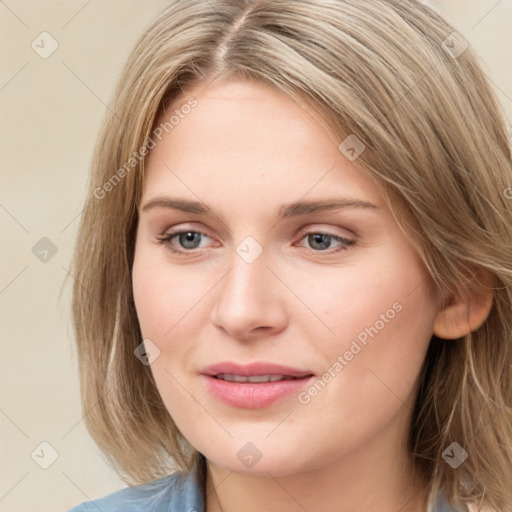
(247, 282)
(247, 300)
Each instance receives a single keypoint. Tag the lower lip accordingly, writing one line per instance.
(251, 395)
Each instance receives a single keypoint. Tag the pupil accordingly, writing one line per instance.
(189, 237)
(321, 238)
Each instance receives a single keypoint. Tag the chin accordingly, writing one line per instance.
(274, 459)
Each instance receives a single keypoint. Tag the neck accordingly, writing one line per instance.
(229, 492)
(375, 477)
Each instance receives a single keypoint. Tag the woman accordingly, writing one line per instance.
(293, 269)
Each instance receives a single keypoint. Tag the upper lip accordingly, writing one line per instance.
(256, 368)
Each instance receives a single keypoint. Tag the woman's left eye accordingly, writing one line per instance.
(188, 239)
(322, 239)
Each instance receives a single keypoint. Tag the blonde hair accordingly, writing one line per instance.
(436, 142)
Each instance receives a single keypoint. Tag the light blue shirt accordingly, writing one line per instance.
(178, 492)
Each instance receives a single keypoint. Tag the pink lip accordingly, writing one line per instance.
(256, 368)
(250, 395)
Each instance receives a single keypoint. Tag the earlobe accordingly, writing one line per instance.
(464, 312)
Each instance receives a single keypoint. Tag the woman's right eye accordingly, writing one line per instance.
(186, 238)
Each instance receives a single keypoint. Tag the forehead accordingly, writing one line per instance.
(251, 141)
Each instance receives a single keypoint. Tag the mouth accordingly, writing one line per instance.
(229, 377)
(259, 371)
(255, 385)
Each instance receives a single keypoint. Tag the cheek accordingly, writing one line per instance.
(150, 302)
(163, 294)
(387, 288)
(164, 299)
(382, 320)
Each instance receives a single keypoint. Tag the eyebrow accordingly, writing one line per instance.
(285, 211)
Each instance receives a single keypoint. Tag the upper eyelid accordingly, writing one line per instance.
(190, 227)
(178, 230)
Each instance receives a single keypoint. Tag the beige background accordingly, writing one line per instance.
(50, 111)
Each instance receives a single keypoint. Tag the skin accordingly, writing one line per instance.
(245, 150)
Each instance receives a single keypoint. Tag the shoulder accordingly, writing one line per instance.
(441, 504)
(444, 506)
(173, 493)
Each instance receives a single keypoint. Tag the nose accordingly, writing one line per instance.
(249, 301)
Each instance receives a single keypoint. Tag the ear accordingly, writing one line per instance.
(465, 310)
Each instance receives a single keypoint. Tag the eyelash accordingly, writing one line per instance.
(166, 240)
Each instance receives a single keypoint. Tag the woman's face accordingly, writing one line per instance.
(336, 295)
